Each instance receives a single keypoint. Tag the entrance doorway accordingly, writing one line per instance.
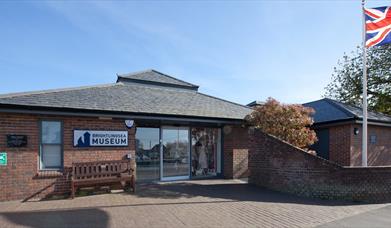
(148, 153)
(175, 153)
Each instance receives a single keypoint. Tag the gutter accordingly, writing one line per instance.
(353, 120)
(114, 114)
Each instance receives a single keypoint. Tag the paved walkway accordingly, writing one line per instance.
(211, 203)
(374, 218)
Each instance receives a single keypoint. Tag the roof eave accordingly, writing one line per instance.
(11, 108)
(359, 120)
(333, 122)
(355, 120)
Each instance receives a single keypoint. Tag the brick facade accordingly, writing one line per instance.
(379, 151)
(277, 165)
(235, 147)
(21, 178)
(345, 146)
(339, 145)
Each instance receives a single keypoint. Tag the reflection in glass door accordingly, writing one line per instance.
(148, 153)
(175, 153)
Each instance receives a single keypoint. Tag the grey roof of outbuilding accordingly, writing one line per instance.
(328, 110)
(132, 97)
(255, 103)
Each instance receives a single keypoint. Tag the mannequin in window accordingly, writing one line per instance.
(195, 157)
(203, 157)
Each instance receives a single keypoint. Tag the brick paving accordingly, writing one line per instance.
(204, 203)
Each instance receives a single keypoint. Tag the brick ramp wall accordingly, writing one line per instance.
(277, 165)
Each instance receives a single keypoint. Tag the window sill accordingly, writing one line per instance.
(49, 173)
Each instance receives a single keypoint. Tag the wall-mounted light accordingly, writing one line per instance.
(129, 123)
(356, 131)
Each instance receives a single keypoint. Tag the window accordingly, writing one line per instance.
(148, 153)
(373, 139)
(206, 153)
(51, 145)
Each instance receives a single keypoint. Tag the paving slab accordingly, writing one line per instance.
(378, 218)
(201, 203)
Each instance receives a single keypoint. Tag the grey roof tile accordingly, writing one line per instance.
(331, 110)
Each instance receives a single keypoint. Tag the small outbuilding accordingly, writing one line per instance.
(339, 130)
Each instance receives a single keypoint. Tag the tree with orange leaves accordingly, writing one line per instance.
(289, 122)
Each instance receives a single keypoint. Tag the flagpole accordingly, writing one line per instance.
(364, 87)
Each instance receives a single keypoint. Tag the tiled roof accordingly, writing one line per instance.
(131, 97)
(153, 76)
(327, 110)
(253, 104)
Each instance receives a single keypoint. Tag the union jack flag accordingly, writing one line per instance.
(378, 26)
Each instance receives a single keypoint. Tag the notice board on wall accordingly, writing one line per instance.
(16, 140)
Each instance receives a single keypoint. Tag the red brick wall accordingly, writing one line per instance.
(21, 178)
(235, 147)
(345, 146)
(277, 165)
(339, 145)
(379, 153)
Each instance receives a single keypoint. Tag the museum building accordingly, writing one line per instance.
(165, 126)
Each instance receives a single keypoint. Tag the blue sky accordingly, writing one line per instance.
(241, 51)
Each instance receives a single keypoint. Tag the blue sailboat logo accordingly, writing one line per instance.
(84, 141)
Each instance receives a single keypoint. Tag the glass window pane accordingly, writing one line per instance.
(51, 156)
(51, 132)
(205, 148)
(175, 152)
(148, 153)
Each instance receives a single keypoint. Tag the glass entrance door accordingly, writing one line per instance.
(175, 153)
(148, 153)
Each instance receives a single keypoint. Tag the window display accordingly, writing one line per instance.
(205, 144)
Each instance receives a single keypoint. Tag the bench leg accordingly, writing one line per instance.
(133, 184)
(129, 186)
(73, 190)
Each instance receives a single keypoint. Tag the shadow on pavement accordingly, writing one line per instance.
(59, 218)
(231, 191)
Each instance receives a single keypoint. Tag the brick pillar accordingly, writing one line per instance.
(235, 151)
(339, 145)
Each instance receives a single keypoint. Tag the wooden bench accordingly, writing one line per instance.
(102, 173)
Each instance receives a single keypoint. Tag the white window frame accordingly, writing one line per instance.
(61, 144)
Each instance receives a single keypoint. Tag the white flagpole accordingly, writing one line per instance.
(364, 95)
